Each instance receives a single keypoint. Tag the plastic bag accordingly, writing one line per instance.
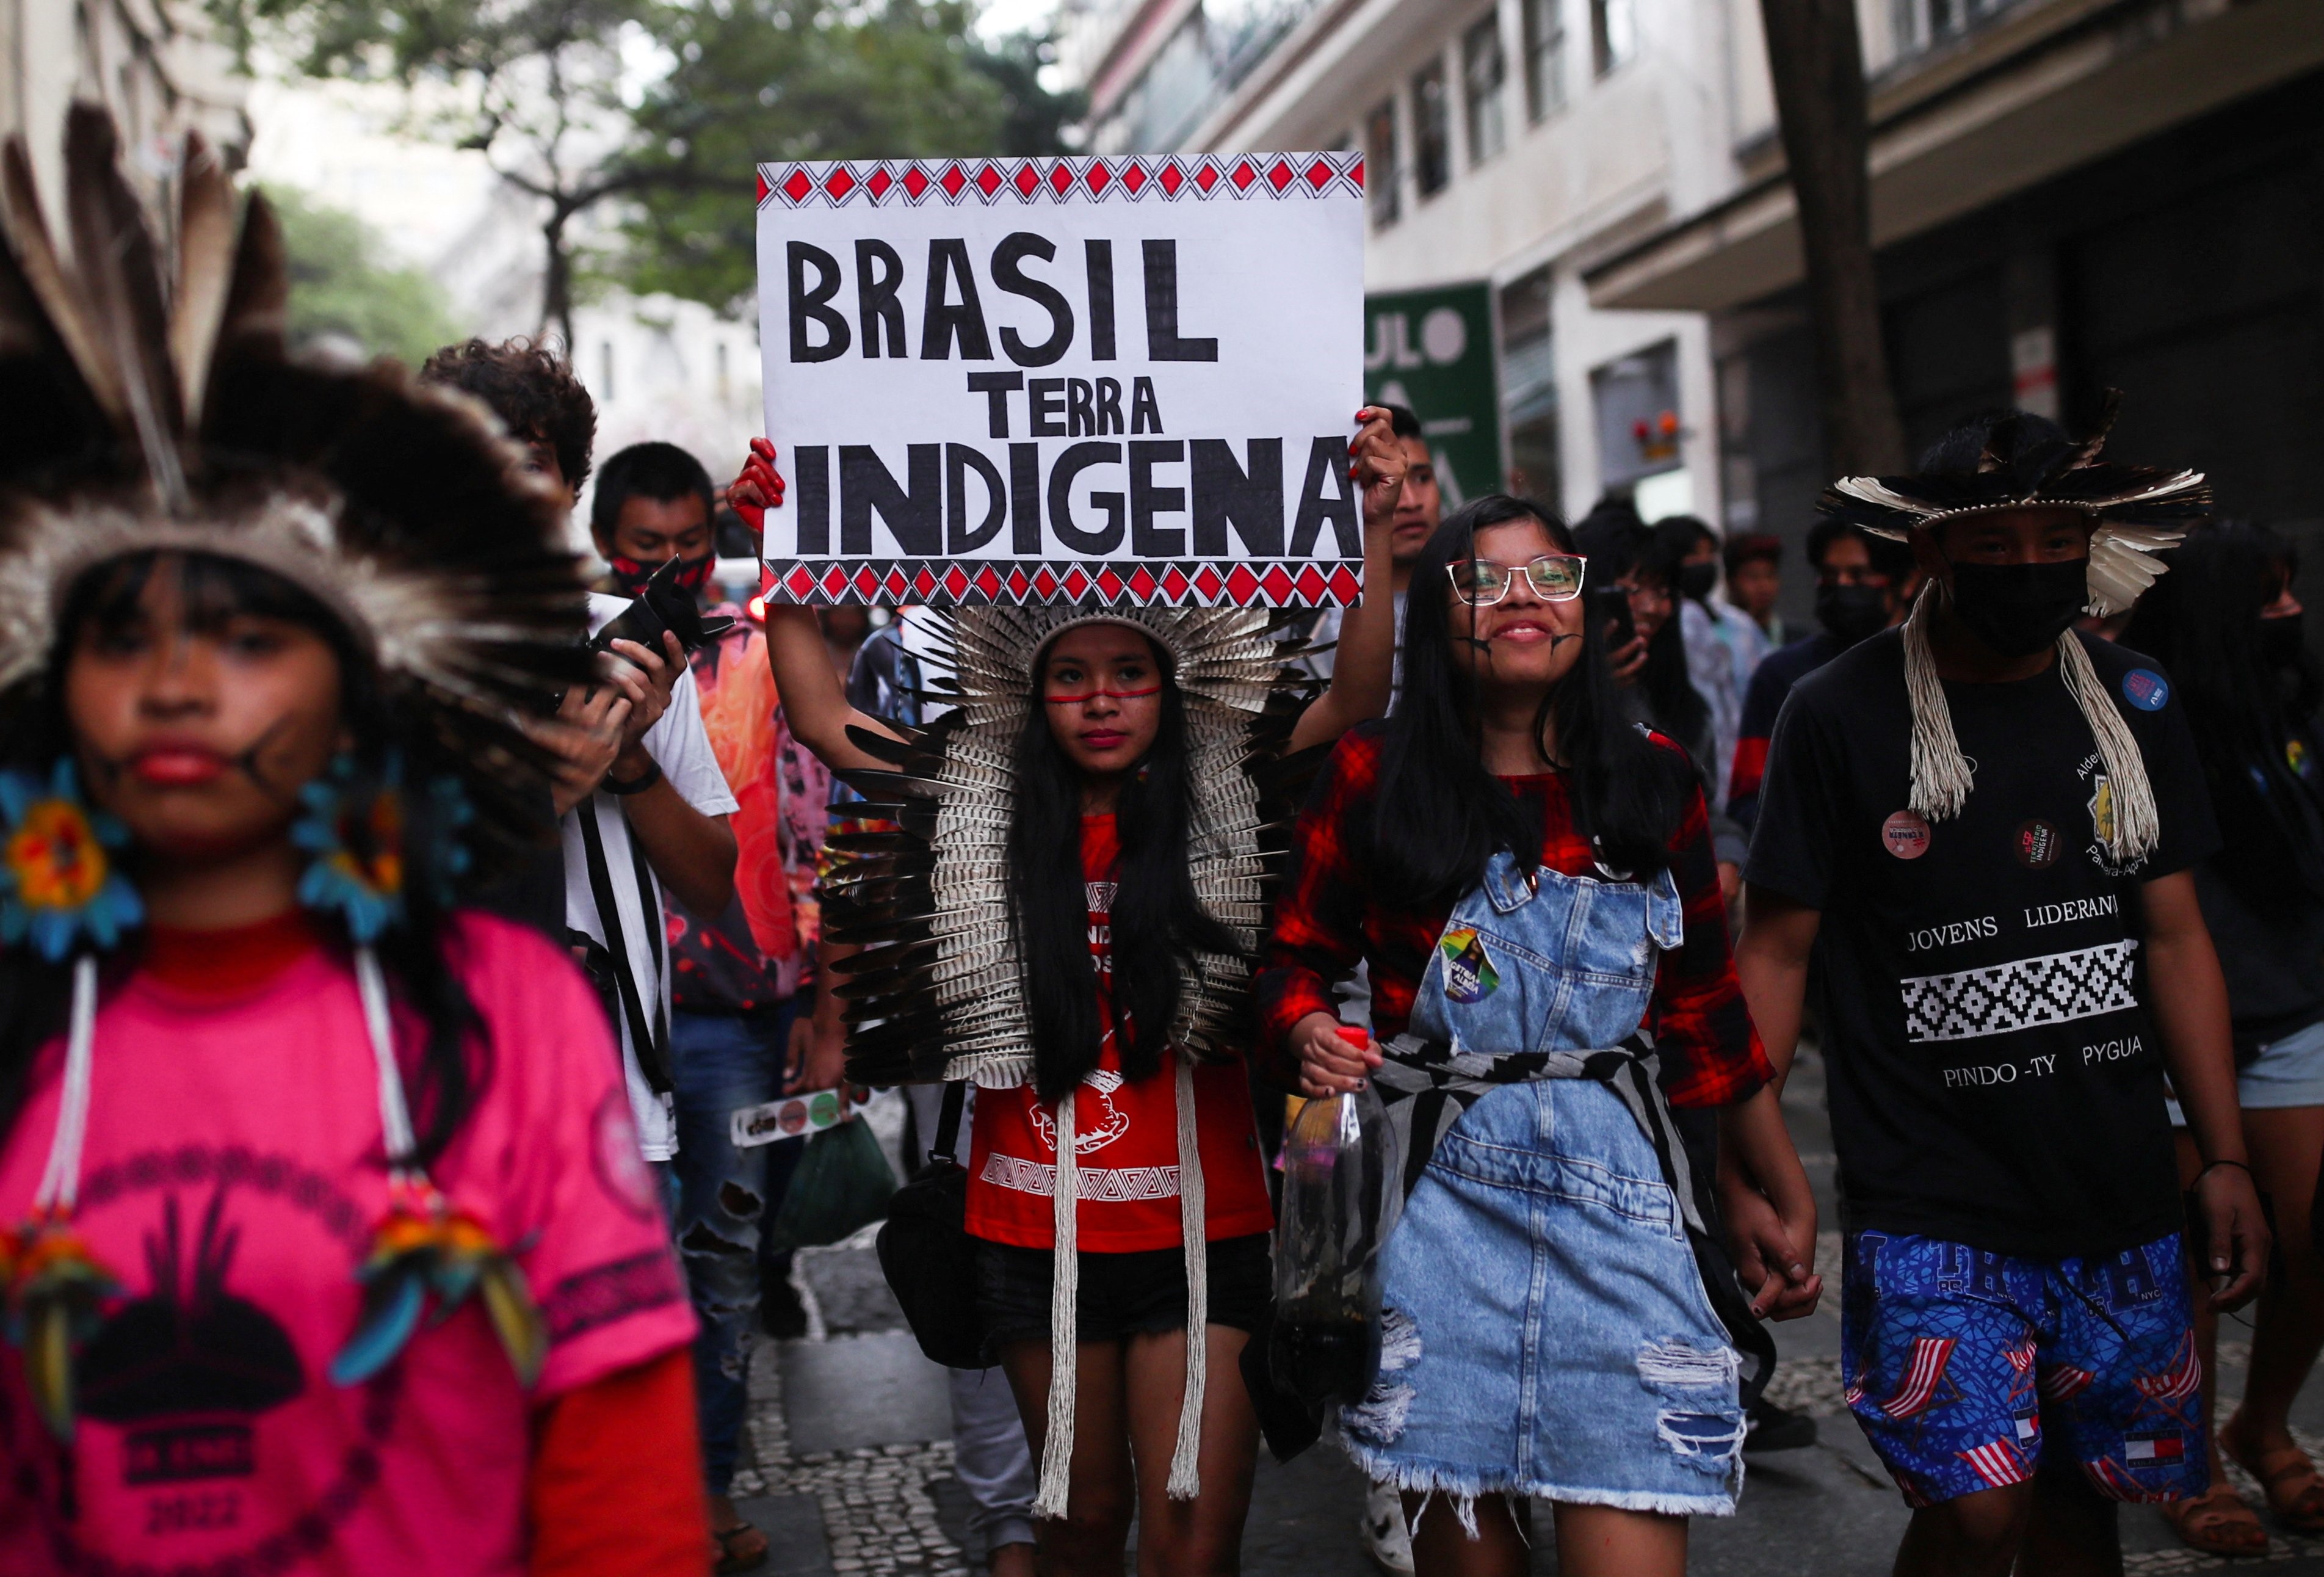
(842, 1185)
(1340, 1201)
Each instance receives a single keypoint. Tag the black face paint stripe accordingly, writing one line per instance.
(247, 762)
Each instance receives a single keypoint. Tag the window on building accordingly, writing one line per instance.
(1613, 32)
(1432, 128)
(1638, 426)
(1529, 389)
(1919, 23)
(1382, 173)
(1484, 73)
(1544, 58)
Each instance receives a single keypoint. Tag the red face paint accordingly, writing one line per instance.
(1111, 695)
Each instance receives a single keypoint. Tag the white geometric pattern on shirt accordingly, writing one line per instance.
(2054, 989)
(1099, 1184)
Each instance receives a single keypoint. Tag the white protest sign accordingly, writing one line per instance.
(1127, 380)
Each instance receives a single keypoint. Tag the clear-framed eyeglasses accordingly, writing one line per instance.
(1556, 577)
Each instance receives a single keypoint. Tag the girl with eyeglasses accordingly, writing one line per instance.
(1530, 880)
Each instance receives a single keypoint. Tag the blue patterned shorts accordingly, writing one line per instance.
(1969, 1369)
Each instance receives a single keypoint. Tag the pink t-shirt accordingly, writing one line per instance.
(231, 1181)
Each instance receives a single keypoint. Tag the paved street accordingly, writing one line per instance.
(849, 1461)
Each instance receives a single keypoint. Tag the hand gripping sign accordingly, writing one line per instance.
(1126, 379)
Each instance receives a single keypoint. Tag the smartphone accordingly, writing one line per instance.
(1614, 614)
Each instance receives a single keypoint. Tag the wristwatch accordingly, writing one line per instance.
(624, 787)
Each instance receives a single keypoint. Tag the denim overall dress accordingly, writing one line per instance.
(1546, 1328)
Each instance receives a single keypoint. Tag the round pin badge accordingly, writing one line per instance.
(1906, 834)
(2145, 689)
(2036, 845)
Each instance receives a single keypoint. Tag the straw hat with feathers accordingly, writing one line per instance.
(2025, 462)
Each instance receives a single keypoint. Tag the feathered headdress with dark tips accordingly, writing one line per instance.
(155, 407)
(2027, 464)
(937, 989)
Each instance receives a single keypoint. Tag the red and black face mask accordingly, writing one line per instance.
(693, 573)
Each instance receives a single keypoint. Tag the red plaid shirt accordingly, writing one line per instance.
(1327, 920)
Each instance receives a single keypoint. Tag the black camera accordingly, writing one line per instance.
(663, 605)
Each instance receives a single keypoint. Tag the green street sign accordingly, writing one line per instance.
(1435, 353)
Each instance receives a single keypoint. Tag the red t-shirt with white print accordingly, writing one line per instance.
(1125, 1139)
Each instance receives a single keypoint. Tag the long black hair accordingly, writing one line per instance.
(1617, 544)
(1156, 923)
(1440, 817)
(2202, 622)
(34, 993)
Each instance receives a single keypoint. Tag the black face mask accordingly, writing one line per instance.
(2281, 641)
(2017, 609)
(1695, 581)
(1850, 613)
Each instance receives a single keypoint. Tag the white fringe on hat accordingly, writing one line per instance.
(1942, 776)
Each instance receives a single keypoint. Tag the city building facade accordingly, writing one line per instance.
(2068, 196)
(155, 63)
(1512, 141)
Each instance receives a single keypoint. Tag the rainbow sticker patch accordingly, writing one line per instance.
(1469, 973)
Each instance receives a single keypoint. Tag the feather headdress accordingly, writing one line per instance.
(938, 992)
(2137, 512)
(937, 989)
(156, 408)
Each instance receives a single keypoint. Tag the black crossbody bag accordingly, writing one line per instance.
(927, 1254)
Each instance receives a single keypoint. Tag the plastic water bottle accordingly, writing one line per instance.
(1340, 1199)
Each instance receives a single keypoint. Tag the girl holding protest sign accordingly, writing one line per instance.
(1530, 880)
(1069, 902)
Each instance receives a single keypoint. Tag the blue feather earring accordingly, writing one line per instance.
(372, 838)
(59, 888)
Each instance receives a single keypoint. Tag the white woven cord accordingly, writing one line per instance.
(2137, 825)
(1942, 776)
(1185, 1477)
(60, 1179)
(1065, 1325)
(394, 1117)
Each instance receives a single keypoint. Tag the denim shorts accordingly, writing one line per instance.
(1140, 1294)
(2289, 1071)
(1968, 1369)
(1547, 1332)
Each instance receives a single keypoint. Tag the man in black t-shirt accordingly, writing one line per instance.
(1981, 827)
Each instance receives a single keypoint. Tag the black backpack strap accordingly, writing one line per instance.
(946, 1147)
(645, 1028)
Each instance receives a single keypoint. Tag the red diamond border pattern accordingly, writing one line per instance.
(1206, 582)
(1086, 178)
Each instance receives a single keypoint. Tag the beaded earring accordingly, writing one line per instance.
(58, 878)
(58, 887)
(372, 838)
